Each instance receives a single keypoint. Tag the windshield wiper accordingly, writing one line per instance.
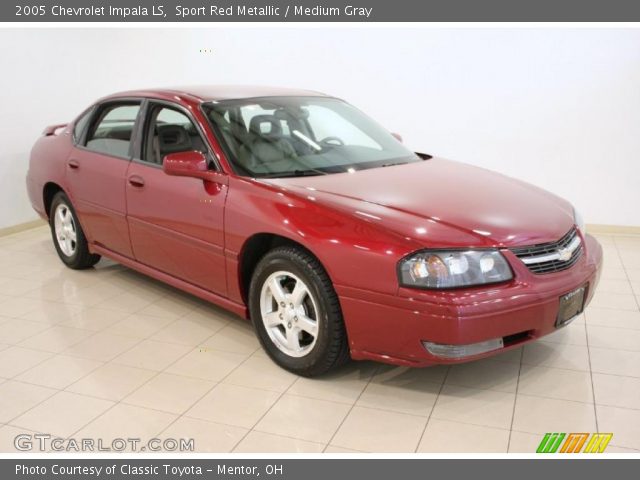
(394, 164)
(294, 173)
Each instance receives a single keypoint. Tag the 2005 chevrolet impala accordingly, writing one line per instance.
(294, 209)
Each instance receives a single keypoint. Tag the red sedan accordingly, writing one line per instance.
(296, 210)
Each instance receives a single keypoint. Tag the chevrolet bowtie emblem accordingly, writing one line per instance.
(564, 254)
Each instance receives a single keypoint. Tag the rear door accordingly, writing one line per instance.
(176, 223)
(96, 173)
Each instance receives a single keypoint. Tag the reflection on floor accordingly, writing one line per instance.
(109, 353)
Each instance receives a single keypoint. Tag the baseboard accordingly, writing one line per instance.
(612, 229)
(21, 227)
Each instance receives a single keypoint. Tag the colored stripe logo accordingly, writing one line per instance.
(574, 442)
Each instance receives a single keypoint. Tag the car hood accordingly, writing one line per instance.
(443, 203)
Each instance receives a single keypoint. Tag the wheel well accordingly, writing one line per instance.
(254, 249)
(50, 189)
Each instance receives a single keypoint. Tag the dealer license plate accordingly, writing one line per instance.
(571, 305)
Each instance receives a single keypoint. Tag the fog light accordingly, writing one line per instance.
(461, 351)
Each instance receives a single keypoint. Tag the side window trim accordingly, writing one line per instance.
(137, 137)
(143, 132)
(90, 112)
(95, 115)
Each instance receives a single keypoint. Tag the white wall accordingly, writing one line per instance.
(557, 107)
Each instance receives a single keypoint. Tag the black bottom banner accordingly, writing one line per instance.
(318, 468)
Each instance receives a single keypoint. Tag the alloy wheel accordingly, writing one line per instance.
(289, 313)
(65, 229)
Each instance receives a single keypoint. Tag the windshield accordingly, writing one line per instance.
(296, 136)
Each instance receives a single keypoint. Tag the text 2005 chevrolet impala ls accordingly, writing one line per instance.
(296, 210)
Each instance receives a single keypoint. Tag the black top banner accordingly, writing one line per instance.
(319, 11)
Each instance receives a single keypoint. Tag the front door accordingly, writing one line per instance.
(175, 223)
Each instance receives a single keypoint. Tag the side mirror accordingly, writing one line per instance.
(186, 164)
(397, 136)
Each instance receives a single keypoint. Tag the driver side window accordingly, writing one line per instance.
(169, 131)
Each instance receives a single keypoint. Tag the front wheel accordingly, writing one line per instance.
(296, 312)
(68, 237)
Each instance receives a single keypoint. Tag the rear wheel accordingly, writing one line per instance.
(296, 312)
(68, 237)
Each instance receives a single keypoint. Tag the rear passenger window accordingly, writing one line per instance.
(111, 132)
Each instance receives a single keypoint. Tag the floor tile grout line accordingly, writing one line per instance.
(381, 409)
(278, 435)
(460, 422)
(353, 405)
(34, 366)
(113, 359)
(104, 362)
(610, 327)
(593, 388)
(216, 384)
(602, 307)
(262, 389)
(531, 395)
(515, 400)
(94, 333)
(62, 353)
(10, 422)
(66, 303)
(435, 402)
(157, 372)
(64, 390)
(120, 401)
(624, 268)
(263, 415)
(580, 370)
(345, 403)
(338, 403)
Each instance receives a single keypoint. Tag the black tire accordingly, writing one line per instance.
(81, 258)
(331, 348)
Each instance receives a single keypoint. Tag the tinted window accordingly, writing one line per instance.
(111, 133)
(295, 136)
(170, 131)
(81, 124)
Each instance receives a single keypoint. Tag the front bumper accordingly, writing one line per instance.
(391, 328)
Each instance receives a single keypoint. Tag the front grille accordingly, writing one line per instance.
(544, 257)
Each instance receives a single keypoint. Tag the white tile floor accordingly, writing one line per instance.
(109, 353)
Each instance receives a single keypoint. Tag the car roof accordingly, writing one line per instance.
(206, 93)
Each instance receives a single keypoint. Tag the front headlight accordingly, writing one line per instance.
(450, 269)
(579, 221)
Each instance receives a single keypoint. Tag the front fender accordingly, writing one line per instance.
(339, 240)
